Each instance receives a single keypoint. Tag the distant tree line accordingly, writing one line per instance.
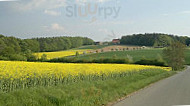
(154, 39)
(12, 48)
(61, 43)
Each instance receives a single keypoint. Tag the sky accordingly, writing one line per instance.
(101, 20)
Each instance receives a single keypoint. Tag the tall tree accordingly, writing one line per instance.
(174, 55)
(2, 45)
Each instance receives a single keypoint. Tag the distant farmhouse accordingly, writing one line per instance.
(116, 41)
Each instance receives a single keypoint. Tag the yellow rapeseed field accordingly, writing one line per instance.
(19, 75)
(59, 54)
(23, 70)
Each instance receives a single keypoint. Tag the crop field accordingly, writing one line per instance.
(72, 52)
(53, 84)
(14, 75)
(58, 54)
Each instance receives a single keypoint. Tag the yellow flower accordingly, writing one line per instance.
(51, 55)
(24, 70)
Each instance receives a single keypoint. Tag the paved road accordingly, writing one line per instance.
(169, 92)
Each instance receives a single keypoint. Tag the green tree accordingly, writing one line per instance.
(7, 51)
(15, 48)
(174, 55)
(31, 44)
(153, 39)
(2, 45)
(77, 54)
(44, 57)
(30, 56)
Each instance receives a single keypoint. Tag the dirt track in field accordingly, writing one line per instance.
(118, 48)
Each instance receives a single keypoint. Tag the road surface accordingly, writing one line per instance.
(168, 92)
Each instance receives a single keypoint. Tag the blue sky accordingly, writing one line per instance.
(105, 20)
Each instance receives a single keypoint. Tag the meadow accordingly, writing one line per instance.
(93, 47)
(136, 55)
(33, 83)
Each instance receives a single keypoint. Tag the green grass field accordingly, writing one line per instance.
(93, 47)
(83, 93)
(137, 54)
(187, 56)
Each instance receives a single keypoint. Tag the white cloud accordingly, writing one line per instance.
(92, 0)
(51, 12)
(8, 0)
(185, 12)
(100, 23)
(38, 4)
(110, 34)
(81, 2)
(165, 14)
(104, 31)
(102, 1)
(25, 5)
(57, 27)
(176, 13)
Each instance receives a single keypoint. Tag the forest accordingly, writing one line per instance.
(153, 39)
(12, 48)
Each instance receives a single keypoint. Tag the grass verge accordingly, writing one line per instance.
(83, 93)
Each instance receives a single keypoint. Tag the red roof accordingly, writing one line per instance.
(115, 40)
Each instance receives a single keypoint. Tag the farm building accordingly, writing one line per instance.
(116, 41)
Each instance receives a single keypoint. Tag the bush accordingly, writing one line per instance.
(77, 54)
(44, 57)
(151, 62)
(17, 57)
(75, 60)
(31, 58)
(130, 58)
(3, 58)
